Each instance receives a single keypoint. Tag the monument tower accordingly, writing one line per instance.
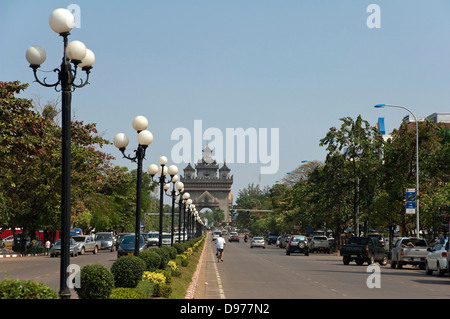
(208, 185)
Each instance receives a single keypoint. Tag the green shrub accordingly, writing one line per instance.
(182, 260)
(25, 289)
(96, 282)
(162, 290)
(152, 259)
(147, 288)
(126, 293)
(127, 271)
(165, 257)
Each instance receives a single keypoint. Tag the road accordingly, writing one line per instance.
(269, 274)
(264, 274)
(45, 269)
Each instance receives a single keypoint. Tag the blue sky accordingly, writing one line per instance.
(297, 66)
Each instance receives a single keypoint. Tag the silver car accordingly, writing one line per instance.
(436, 259)
(106, 240)
(258, 242)
(56, 248)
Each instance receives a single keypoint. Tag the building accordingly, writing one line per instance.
(208, 185)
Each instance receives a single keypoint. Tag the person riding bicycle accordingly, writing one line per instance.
(220, 243)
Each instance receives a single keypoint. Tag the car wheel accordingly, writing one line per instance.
(82, 251)
(441, 272)
(346, 261)
(371, 260)
(95, 250)
(384, 261)
(399, 265)
(288, 252)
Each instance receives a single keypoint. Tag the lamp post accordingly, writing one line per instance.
(175, 186)
(62, 22)
(417, 158)
(183, 200)
(187, 205)
(163, 171)
(145, 138)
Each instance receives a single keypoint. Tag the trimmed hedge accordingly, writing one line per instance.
(127, 271)
(25, 289)
(96, 282)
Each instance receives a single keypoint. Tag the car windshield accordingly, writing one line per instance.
(321, 238)
(258, 238)
(166, 236)
(217, 233)
(130, 239)
(153, 235)
(296, 238)
(78, 239)
(104, 236)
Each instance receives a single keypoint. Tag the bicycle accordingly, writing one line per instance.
(219, 255)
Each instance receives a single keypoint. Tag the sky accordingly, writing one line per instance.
(289, 66)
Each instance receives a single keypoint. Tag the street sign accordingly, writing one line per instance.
(410, 201)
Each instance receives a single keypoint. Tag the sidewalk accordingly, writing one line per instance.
(208, 284)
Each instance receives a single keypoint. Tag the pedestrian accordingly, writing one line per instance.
(33, 247)
(47, 247)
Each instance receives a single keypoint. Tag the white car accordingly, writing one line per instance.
(258, 242)
(436, 259)
(166, 239)
(216, 235)
(153, 238)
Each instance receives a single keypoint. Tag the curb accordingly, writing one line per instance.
(10, 255)
(191, 289)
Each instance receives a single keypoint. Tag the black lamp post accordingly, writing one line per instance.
(175, 186)
(62, 22)
(184, 196)
(145, 138)
(163, 171)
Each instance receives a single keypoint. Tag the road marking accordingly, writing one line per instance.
(219, 281)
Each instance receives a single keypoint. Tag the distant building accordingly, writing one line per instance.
(208, 185)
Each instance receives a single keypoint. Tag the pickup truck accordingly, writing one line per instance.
(86, 243)
(319, 243)
(363, 249)
(409, 250)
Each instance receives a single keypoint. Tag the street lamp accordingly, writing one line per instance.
(183, 200)
(145, 138)
(62, 22)
(175, 186)
(417, 159)
(163, 171)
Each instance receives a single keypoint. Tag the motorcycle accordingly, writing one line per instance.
(245, 239)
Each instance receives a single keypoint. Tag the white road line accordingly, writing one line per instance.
(219, 281)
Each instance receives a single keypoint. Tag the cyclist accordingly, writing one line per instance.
(220, 243)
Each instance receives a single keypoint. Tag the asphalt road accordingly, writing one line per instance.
(256, 273)
(46, 269)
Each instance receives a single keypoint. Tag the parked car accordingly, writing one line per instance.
(258, 242)
(272, 238)
(86, 243)
(55, 250)
(284, 240)
(297, 244)
(107, 241)
(380, 239)
(127, 245)
(409, 250)
(436, 259)
(153, 239)
(166, 239)
(233, 237)
(319, 243)
(363, 249)
(119, 238)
